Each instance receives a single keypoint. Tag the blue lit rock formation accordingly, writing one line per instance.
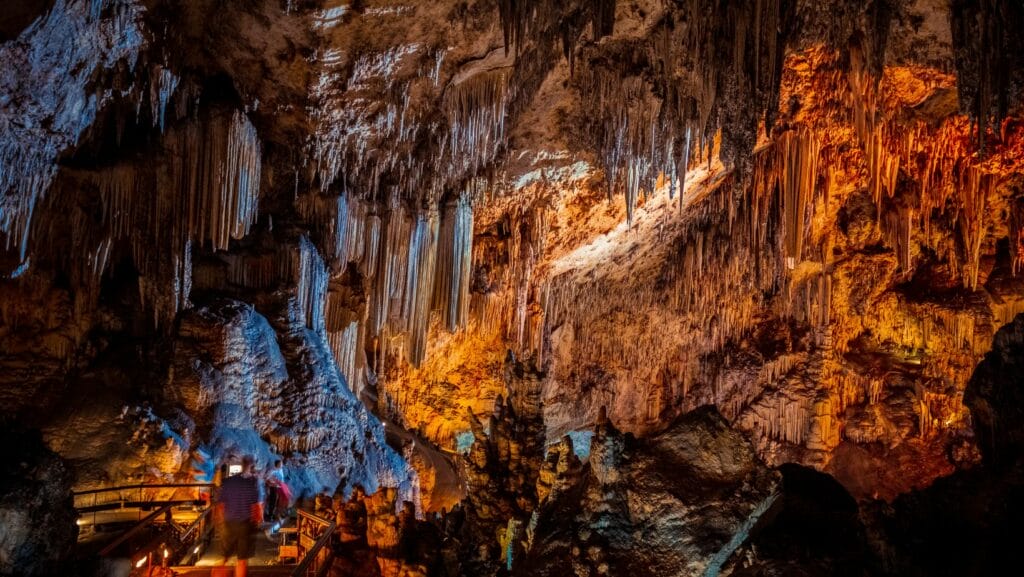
(252, 391)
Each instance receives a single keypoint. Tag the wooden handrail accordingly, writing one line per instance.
(199, 520)
(134, 530)
(303, 567)
(134, 505)
(142, 486)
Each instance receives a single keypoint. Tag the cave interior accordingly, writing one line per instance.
(514, 287)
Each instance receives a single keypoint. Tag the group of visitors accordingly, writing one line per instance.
(243, 502)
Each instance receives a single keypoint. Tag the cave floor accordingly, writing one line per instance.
(266, 556)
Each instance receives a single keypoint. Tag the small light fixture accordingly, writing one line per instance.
(166, 554)
(196, 550)
(140, 562)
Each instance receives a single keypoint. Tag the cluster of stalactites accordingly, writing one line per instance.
(918, 172)
(635, 142)
(45, 88)
(209, 192)
(735, 56)
(204, 192)
(988, 44)
(476, 110)
(354, 123)
(455, 264)
(737, 255)
(416, 261)
(375, 135)
(525, 20)
(732, 91)
(512, 305)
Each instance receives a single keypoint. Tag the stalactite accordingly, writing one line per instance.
(345, 345)
(419, 289)
(311, 289)
(975, 188)
(391, 269)
(899, 226)
(182, 263)
(1017, 235)
(160, 93)
(798, 175)
(455, 264)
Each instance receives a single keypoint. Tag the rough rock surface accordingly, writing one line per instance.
(37, 515)
(995, 396)
(814, 528)
(678, 503)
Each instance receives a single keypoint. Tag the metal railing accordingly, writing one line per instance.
(314, 535)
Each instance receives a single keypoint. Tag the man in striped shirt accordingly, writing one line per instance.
(240, 496)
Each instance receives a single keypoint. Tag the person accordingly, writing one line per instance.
(275, 488)
(240, 498)
(217, 506)
(324, 503)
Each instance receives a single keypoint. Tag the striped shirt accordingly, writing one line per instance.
(239, 494)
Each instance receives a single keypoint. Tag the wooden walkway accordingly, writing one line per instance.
(262, 570)
(182, 534)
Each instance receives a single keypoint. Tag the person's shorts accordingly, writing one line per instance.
(239, 539)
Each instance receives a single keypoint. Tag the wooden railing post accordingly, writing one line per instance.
(316, 560)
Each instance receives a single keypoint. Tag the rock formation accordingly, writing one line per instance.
(677, 503)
